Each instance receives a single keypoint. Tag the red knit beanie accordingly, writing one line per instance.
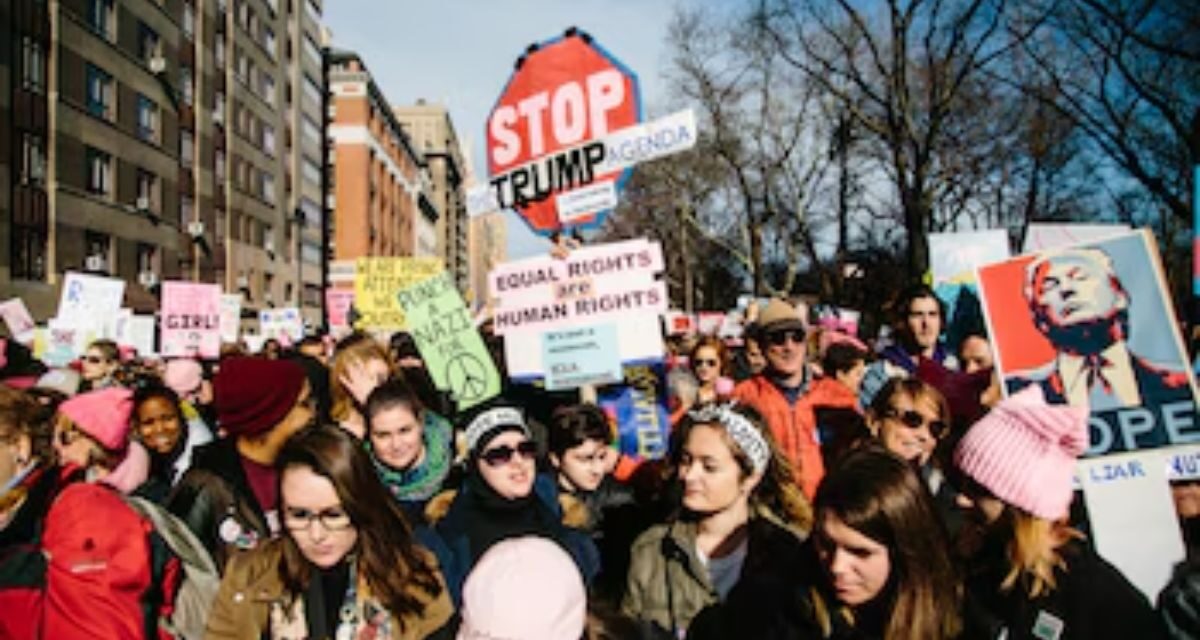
(253, 394)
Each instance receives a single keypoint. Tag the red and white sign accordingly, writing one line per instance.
(190, 320)
(337, 305)
(544, 136)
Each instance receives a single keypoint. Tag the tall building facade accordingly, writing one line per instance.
(487, 246)
(166, 140)
(431, 130)
(380, 182)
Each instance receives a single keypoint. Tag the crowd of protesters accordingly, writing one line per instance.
(815, 486)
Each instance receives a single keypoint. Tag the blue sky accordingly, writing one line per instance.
(461, 52)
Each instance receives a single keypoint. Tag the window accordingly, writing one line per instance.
(243, 65)
(187, 92)
(149, 195)
(33, 159)
(268, 142)
(33, 76)
(99, 171)
(102, 18)
(147, 119)
(219, 109)
(147, 258)
(148, 44)
(311, 172)
(186, 148)
(189, 21)
(274, 4)
(185, 211)
(267, 186)
(98, 245)
(313, 12)
(28, 252)
(219, 50)
(312, 90)
(311, 130)
(267, 90)
(219, 165)
(311, 50)
(267, 288)
(268, 238)
(219, 225)
(268, 42)
(101, 94)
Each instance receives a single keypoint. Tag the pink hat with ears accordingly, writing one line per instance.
(103, 415)
(1023, 451)
(830, 337)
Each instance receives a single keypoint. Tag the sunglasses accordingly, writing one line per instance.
(94, 360)
(701, 362)
(67, 436)
(332, 519)
(498, 456)
(914, 420)
(778, 338)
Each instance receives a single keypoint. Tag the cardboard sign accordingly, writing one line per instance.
(955, 256)
(376, 282)
(1093, 324)
(337, 304)
(231, 317)
(454, 353)
(680, 323)
(140, 332)
(581, 355)
(709, 323)
(190, 320)
(639, 342)
(88, 300)
(65, 341)
(568, 91)
(284, 325)
(20, 323)
(1042, 236)
(638, 408)
(837, 319)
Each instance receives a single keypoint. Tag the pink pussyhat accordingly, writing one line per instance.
(1023, 451)
(103, 415)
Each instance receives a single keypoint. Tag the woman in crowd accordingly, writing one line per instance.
(834, 396)
(1029, 574)
(709, 360)
(346, 566)
(412, 447)
(228, 497)
(185, 377)
(159, 424)
(359, 365)
(28, 479)
(740, 517)
(91, 432)
(99, 365)
(503, 497)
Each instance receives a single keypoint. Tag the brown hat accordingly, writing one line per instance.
(780, 315)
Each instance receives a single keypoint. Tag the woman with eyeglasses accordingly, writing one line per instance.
(346, 565)
(502, 497)
(98, 367)
(740, 520)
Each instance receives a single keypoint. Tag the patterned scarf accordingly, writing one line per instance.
(423, 481)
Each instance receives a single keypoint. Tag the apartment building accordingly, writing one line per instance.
(163, 139)
(430, 128)
(487, 246)
(380, 182)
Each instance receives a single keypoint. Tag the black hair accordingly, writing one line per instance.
(905, 299)
(841, 357)
(391, 393)
(573, 425)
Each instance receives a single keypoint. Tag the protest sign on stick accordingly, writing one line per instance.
(376, 281)
(190, 321)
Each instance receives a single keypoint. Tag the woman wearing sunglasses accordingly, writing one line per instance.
(503, 497)
(98, 366)
(346, 566)
(91, 432)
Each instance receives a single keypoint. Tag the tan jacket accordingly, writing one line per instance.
(666, 554)
(252, 601)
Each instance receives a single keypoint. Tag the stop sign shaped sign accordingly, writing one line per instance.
(545, 134)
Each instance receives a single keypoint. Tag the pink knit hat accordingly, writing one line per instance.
(183, 376)
(103, 415)
(524, 589)
(1023, 451)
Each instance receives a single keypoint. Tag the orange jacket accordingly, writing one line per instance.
(795, 426)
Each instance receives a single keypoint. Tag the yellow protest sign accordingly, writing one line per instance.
(376, 282)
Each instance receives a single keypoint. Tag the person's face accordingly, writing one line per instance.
(975, 354)
(785, 350)
(712, 478)
(909, 429)
(854, 377)
(96, 366)
(755, 357)
(706, 365)
(924, 322)
(857, 565)
(315, 518)
(584, 466)
(158, 424)
(15, 451)
(71, 445)
(1187, 499)
(397, 437)
(507, 464)
(1074, 289)
(983, 508)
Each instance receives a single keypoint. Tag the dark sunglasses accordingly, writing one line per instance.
(67, 436)
(94, 360)
(914, 420)
(498, 456)
(778, 338)
(701, 362)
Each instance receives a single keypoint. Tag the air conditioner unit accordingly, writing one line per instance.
(269, 245)
(158, 64)
(195, 229)
(218, 116)
(94, 263)
(143, 203)
(147, 279)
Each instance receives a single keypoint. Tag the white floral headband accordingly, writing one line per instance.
(491, 419)
(749, 439)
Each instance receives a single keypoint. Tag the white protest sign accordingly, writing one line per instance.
(586, 200)
(140, 331)
(285, 325)
(1133, 516)
(639, 340)
(956, 255)
(191, 319)
(1042, 236)
(20, 322)
(121, 327)
(231, 317)
(88, 300)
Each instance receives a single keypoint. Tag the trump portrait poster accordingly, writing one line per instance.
(1091, 325)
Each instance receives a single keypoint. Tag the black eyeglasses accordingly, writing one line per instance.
(778, 338)
(332, 519)
(914, 420)
(701, 362)
(497, 456)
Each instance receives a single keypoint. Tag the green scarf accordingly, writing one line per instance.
(423, 481)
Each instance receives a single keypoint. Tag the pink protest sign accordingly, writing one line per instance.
(338, 303)
(190, 322)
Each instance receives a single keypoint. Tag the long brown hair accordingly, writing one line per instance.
(393, 567)
(880, 496)
(353, 349)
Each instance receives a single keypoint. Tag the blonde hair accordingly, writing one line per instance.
(355, 349)
(1033, 551)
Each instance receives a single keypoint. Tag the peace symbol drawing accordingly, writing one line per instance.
(467, 377)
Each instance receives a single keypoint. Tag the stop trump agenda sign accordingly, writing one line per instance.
(545, 135)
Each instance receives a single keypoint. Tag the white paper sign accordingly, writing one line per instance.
(231, 317)
(1043, 236)
(639, 339)
(20, 322)
(141, 330)
(953, 254)
(88, 300)
(585, 201)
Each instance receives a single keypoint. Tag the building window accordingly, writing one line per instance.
(185, 211)
(147, 119)
(274, 5)
(268, 88)
(99, 172)
(268, 42)
(147, 258)
(219, 165)
(311, 172)
(101, 94)
(311, 130)
(97, 245)
(268, 141)
(149, 193)
(186, 148)
(186, 90)
(267, 187)
(313, 11)
(243, 65)
(219, 50)
(219, 225)
(189, 20)
(102, 18)
(312, 51)
(28, 253)
(33, 159)
(312, 90)
(33, 76)
(149, 47)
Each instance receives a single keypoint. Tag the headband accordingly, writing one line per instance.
(491, 419)
(749, 439)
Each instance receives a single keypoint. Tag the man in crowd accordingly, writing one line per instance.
(920, 319)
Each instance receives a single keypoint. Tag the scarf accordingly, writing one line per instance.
(422, 481)
(489, 517)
